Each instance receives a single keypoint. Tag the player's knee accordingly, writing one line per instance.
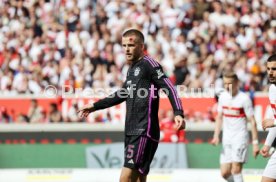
(124, 178)
(225, 174)
(236, 169)
(142, 178)
(265, 179)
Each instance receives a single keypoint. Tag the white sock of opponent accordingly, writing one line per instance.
(238, 177)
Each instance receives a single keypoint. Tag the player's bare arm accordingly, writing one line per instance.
(268, 123)
(179, 122)
(254, 133)
(265, 151)
(86, 110)
(215, 140)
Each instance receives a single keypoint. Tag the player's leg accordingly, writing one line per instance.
(129, 172)
(237, 171)
(267, 179)
(142, 178)
(131, 175)
(146, 155)
(137, 159)
(269, 174)
(225, 163)
(239, 156)
(225, 169)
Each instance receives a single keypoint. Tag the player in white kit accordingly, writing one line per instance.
(269, 174)
(234, 110)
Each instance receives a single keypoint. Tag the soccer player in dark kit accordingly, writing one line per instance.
(140, 91)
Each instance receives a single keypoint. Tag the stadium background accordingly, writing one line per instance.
(53, 51)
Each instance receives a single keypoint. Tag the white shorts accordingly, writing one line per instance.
(270, 169)
(234, 153)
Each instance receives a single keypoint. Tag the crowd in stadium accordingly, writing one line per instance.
(77, 43)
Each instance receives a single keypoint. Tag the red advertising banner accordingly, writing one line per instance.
(195, 108)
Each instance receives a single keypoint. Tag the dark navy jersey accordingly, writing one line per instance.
(140, 91)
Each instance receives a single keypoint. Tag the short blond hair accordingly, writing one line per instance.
(231, 75)
(136, 33)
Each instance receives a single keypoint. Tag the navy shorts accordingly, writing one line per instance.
(139, 152)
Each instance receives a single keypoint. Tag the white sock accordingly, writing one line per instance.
(238, 177)
(230, 179)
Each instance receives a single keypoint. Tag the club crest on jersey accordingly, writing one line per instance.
(159, 73)
(137, 71)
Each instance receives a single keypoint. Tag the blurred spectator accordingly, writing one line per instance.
(21, 118)
(58, 38)
(181, 71)
(54, 114)
(77, 43)
(35, 112)
(4, 116)
(72, 115)
(168, 131)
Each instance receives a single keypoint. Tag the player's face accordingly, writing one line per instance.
(132, 47)
(271, 71)
(230, 85)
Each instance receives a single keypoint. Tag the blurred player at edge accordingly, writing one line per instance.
(142, 131)
(234, 109)
(269, 174)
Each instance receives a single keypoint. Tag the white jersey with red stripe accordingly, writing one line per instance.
(272, 98)
(271, 165)
(235, 111)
